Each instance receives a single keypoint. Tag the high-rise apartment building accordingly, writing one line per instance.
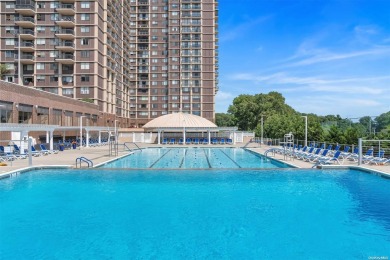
(137, 59)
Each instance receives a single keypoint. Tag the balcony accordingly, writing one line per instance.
(66, 9)
(27, 22)
(66, 58)
(27, 34)
(143, 2)
(28, 10)
(26, 46)
(65, 46)
(66, 21)
(27, 59)
(65, 34)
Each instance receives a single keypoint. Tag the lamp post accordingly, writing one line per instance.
(262, 127)
(115, 130)
(305, 129)
(81, 131)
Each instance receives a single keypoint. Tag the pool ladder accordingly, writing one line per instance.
(83, 159)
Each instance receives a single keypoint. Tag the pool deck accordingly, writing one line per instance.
(100, 155)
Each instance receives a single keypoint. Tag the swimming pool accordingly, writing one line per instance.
(195, 158)
(175, 214)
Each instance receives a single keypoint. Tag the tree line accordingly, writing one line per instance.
(247, 112)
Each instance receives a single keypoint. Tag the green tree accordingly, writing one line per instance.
(224, 119)
(3, 70)
(382, 121)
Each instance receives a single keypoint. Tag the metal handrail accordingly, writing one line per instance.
(125, 145)
(83, 159)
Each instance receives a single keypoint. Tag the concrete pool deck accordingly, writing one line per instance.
(100, 155)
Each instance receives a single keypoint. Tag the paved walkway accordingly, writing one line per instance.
(101, 154)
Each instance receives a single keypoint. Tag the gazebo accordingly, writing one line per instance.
(183, 123)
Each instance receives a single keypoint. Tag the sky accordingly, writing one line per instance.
(325, 57)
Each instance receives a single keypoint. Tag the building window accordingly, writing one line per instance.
(41, 78)
(9, 54)
(40, 5)
(85, 29)
(57, 117)
(84, 17)
(85, 4)
(85, 66)
(25, 114)
(54, 5)
(84, 41)
(54, 17)
(9, 41)
(85, 54)
(5, 112)
(41, 41)
(84, 90)
(84, 78)
(40, 66)
(67, 91)
(53, 78)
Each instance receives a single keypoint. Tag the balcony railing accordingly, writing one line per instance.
(66, 19)
(26, 57)
(65, 6)
(25, 44)
(66, 56)
(26, 31)
(32, 7)
(24, 19)
(65, 31)
(66, 44)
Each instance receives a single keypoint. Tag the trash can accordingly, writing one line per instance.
(74, 146)
(62, 147)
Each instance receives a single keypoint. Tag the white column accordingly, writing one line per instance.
(234, 137)
(47, 137)
(158, 137)
(209, 136)
(22, 143)
(184, 135)
(63, 137)
(100, 137)
(87, 139)
(51, 139)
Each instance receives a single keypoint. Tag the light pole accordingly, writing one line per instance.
(262, 131)
(81, 131)
(115, 129)
(305, 129)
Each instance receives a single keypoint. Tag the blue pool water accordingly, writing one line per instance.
(194, 214)
(194, 158)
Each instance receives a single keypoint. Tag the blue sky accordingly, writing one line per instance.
(325, 57)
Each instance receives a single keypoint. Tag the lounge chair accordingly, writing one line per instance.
(43, 149)
(181, 141)
(312, 155)
(214, 141)
(205, 141)
(324, 161)
(377, 159)
(303, 154)
(165, 141)
(229, 141)
(196, 141)
(222, 141)
(322, 156)
(172, 141)
(35, 151)
(188, 140)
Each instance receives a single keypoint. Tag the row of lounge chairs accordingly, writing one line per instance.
(17, 154)
(323, 156)
(197, 141)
